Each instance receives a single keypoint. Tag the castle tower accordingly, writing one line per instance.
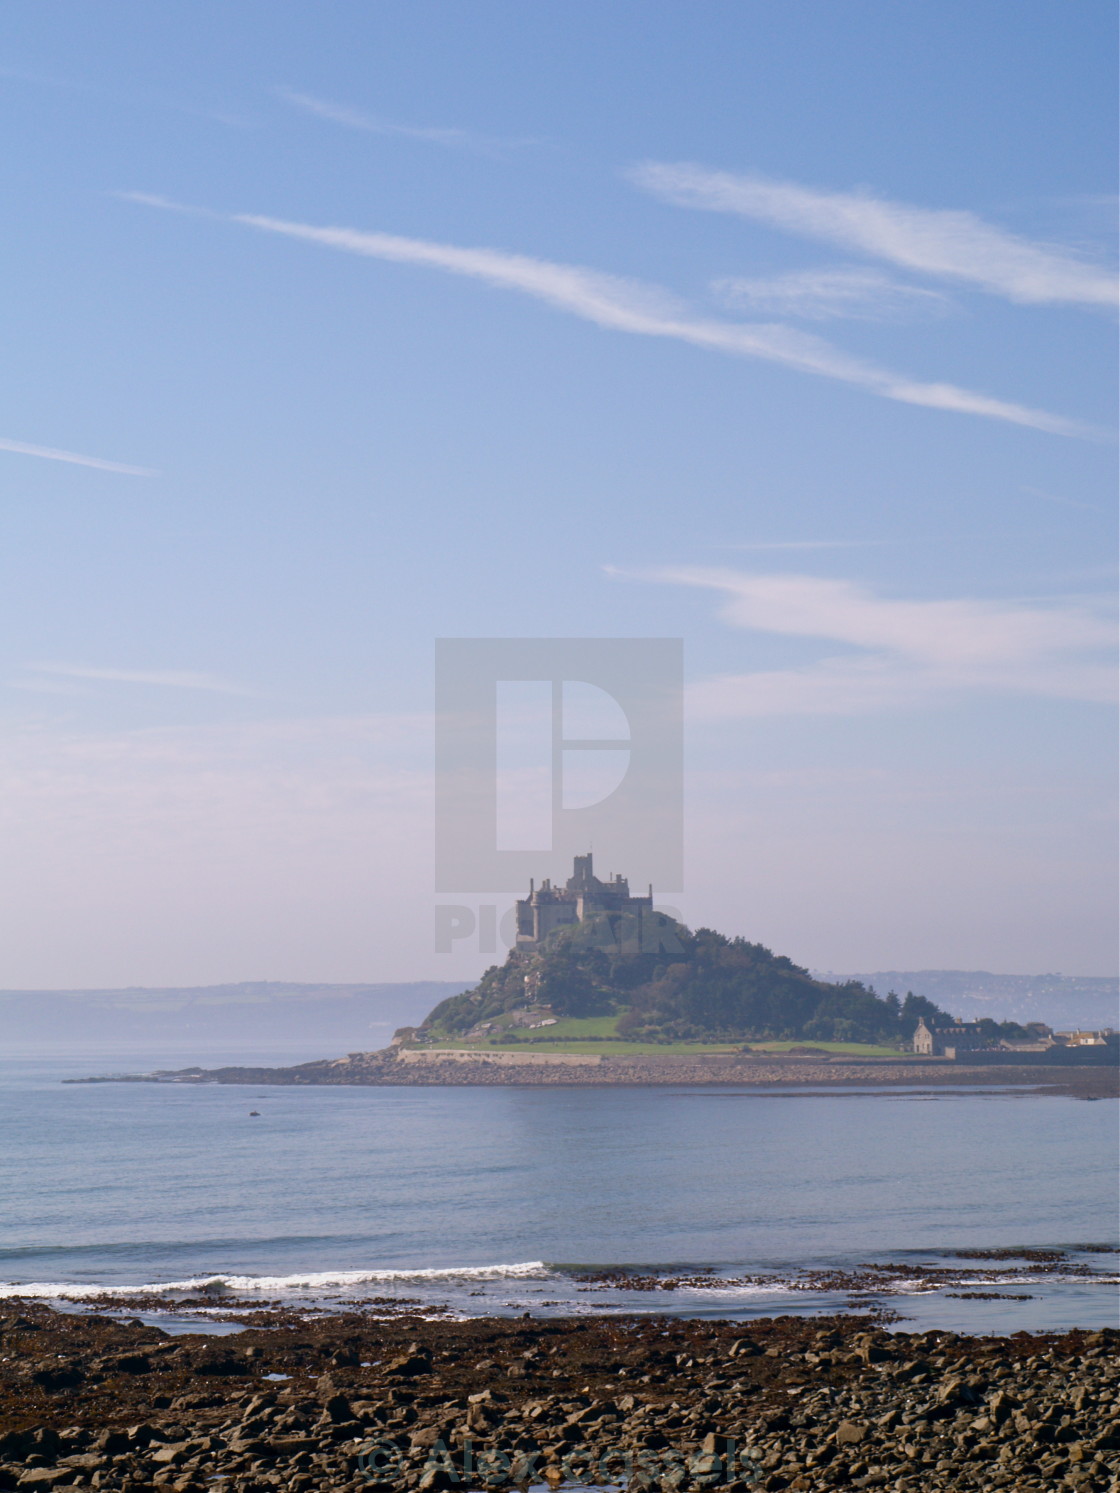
(582, 899)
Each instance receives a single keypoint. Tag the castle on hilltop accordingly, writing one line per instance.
(583, 898)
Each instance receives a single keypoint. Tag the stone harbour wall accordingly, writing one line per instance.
(502, 1059)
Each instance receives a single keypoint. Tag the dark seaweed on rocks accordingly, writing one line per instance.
(1039, 1256)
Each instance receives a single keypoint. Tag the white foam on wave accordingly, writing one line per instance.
(310, 1280)
(1053, 1277)
(775, 1289)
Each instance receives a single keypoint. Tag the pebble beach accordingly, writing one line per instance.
(400, 1400)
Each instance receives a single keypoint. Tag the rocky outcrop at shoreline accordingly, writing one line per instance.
(357, 1401)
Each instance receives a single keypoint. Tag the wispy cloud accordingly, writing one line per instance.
(955, 632)
(154, 199)
(170, 678)
(452, 137)
(829, 295)
(626, 305)
(630, 306)
(906, 652)
(874, 684)
(953, 245)
(52, 453)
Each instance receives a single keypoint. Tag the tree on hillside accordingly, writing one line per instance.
(917, 1005)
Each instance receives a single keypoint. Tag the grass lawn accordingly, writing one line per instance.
(591, 1034)
(573, 1044)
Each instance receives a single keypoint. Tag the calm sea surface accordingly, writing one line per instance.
(501, 1199)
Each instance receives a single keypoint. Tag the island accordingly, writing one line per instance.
(601, 987)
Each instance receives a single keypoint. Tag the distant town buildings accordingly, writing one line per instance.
(1086, 1039)
(970, 1036)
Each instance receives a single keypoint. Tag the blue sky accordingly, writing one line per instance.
(785, 328)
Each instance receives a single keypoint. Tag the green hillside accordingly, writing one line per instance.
(697, 987)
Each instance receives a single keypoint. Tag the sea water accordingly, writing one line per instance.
(720, 1201)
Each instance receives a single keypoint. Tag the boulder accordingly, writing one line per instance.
(849, 1433)
(339, 1409)
(744, 1347)
(57, 1376)
(111, 1443)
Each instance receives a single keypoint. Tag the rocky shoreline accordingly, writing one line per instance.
(385, 1069)
(386, 1398)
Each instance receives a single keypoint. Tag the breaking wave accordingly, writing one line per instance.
(306, 1280)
